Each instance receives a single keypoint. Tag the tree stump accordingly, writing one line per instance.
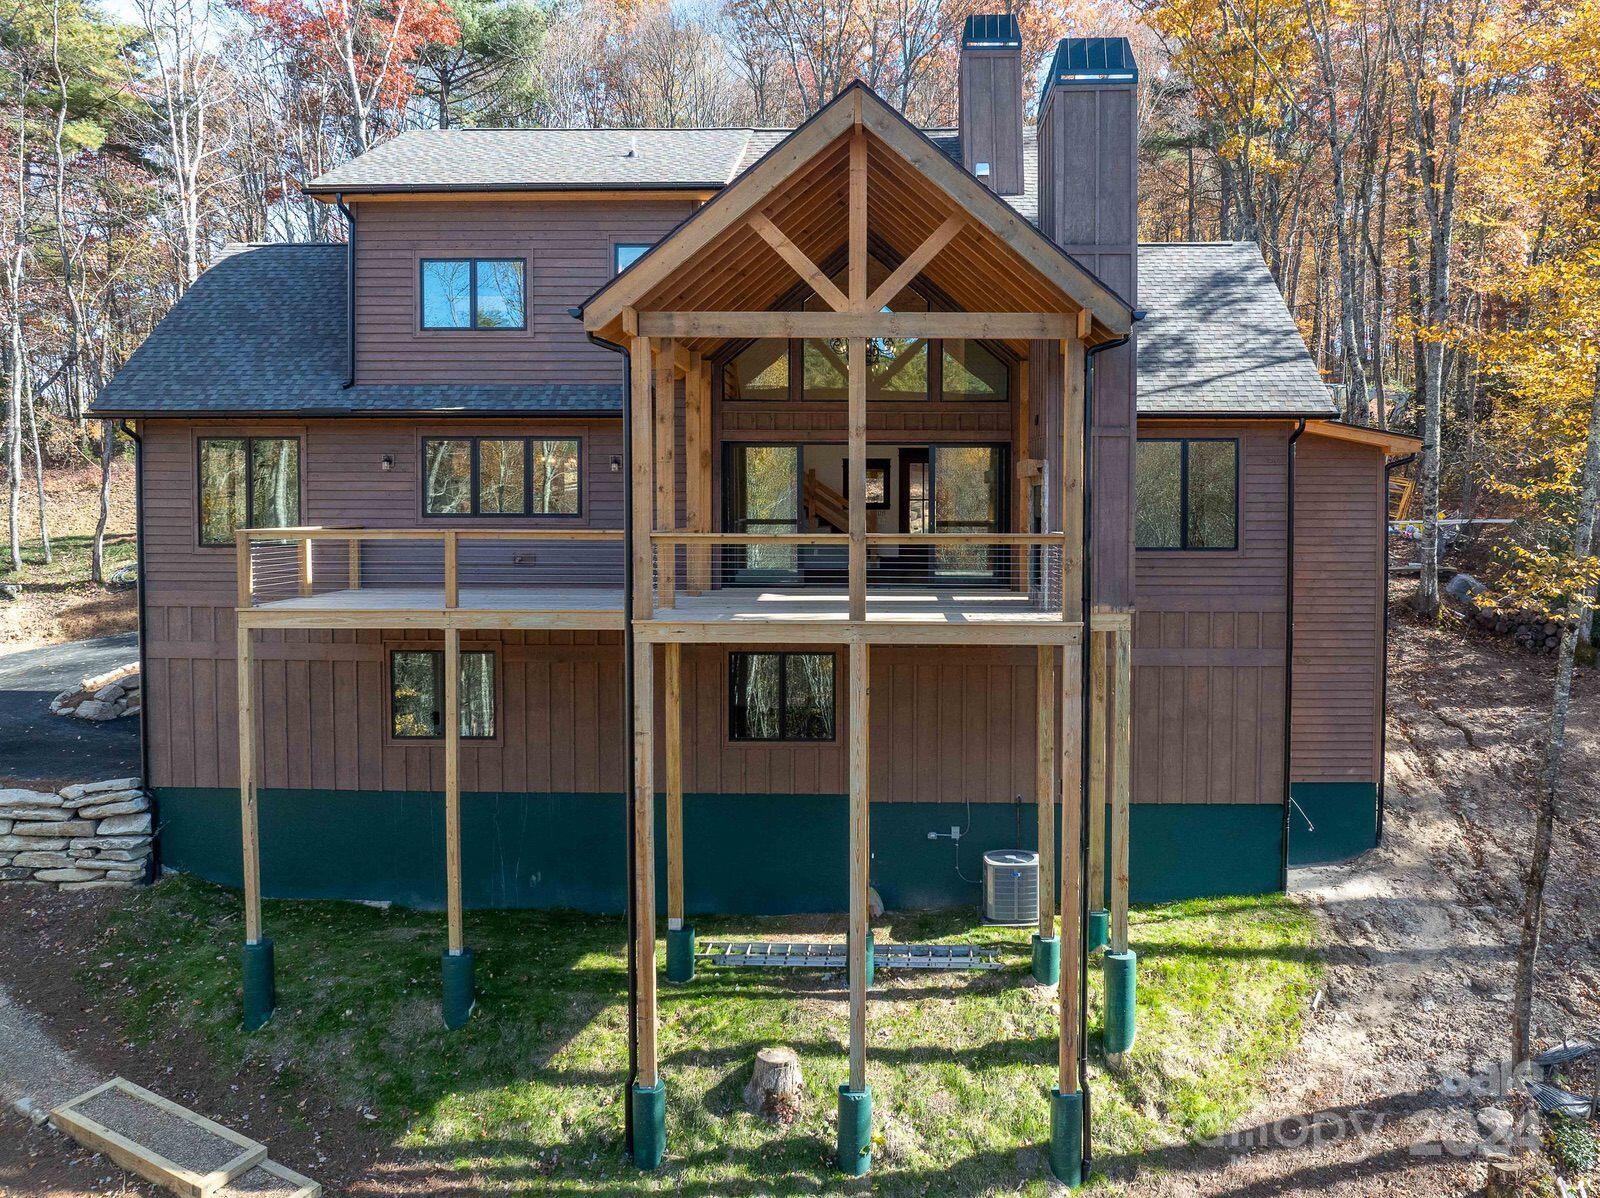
(1505, 1179)
(774, 1089)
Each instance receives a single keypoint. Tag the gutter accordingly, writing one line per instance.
(1383, 656)
(1288, 658)
(349, 293)
(154, 868)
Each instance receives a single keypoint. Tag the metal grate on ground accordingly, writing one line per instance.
(780, 954)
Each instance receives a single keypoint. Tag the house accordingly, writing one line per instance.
(815, 488)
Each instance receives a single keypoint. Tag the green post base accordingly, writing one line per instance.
(872, 960)
(680, 954)
(649, 1125)
(458, 999)
(260, 987)
(1099, 929)
(1046, 959)
(855, 1131)
(1121, 970)
(1066, 1137)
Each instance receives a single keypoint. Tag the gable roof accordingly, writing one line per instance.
(1217, 338)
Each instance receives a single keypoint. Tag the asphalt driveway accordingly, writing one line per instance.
(37, 747)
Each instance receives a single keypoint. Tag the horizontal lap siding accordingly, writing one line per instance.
(569, 247)
(1208, 679)
(1338, 611)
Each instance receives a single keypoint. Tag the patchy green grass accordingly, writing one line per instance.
(528, 1094)
(70, 559)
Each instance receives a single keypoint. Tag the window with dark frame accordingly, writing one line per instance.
(781, 696)
(416, 694)
(625, 254)
(246, 482)
(877, 483)
(1187, 494)
(473, 294)
(502, 476)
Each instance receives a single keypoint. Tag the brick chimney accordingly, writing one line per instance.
(991, 101)
(1089, 205)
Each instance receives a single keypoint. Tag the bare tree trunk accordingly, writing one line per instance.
(31, 401)
(108, 452)
(1554, 749)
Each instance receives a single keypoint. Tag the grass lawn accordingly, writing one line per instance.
(526, 1098)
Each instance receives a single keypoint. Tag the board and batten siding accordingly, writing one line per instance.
(1340, 514)
(569, 247)
(1208, 655)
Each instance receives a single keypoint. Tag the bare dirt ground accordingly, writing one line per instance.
(1382, 1096)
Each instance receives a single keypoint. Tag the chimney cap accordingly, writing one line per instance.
(1081, 61)
(991, 31)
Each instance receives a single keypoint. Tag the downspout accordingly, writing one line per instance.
(154, 867)
(1084, 732)
(349, 292)
(627, 732)
(1288, 659)
(1383, 664)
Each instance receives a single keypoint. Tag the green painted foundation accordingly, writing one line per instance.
(1066, 1137)
(458, 997)
(650, 1125)
(560, 850)
(872, 960)
(1046, 959)
(855, 1131)
(680, 954)
(1332, 821)
(260, 984)
(1122, 978)
(1099, 930)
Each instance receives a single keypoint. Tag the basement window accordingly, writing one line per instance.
(416, 694)
(781, 696)
(1187, 494)
(247, 482)
(474, 293)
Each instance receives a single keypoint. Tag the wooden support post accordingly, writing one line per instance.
(1099, 668)
(244, 578)
(452, 573)
(1071, 866)
(857, 417)
(666, 469)
(456, 940)
(1072, 478)
(640, 455)
(673, 731)
(644, 849)
(697, 470)
(1045, 787)
(1022, 408)
(860, 856)
(305, 566)
(353, 563)
(249, 822)
(1121, 782)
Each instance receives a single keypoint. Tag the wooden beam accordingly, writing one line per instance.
(640, 454)
(860, 856)
(914, 263)
(697, 470)
(452, 789)
(305, 568)
(857, 423)
(858, 222)
(1072, 478)
(452, 571)
(1021, 486)
(666, 399)
(644, 849)
(353, 563)
(672, 720)
(1067, 1079)
(1045, 785)
(1121, 784)
(803, 266)
(1099, 668)
(249, 821)
(244, 579)
(994, 326)
(1085, 324)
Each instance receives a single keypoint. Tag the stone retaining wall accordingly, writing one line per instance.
(86, 836)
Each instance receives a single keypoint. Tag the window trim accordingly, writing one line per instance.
(249, 480)
(783, 704)
(393, 738)
(1183, 496)
(644, 247)
(474, 513)
(472, 325)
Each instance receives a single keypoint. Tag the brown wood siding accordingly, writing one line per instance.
(1208, 679)
(1338, 611)
(568, 246)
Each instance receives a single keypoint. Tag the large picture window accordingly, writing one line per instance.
(1187, 494)
(416, 694)
(474, 293)
(502, 476)
(247, 482)
(780, 696)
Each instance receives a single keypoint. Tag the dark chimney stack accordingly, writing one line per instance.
(991, 101)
